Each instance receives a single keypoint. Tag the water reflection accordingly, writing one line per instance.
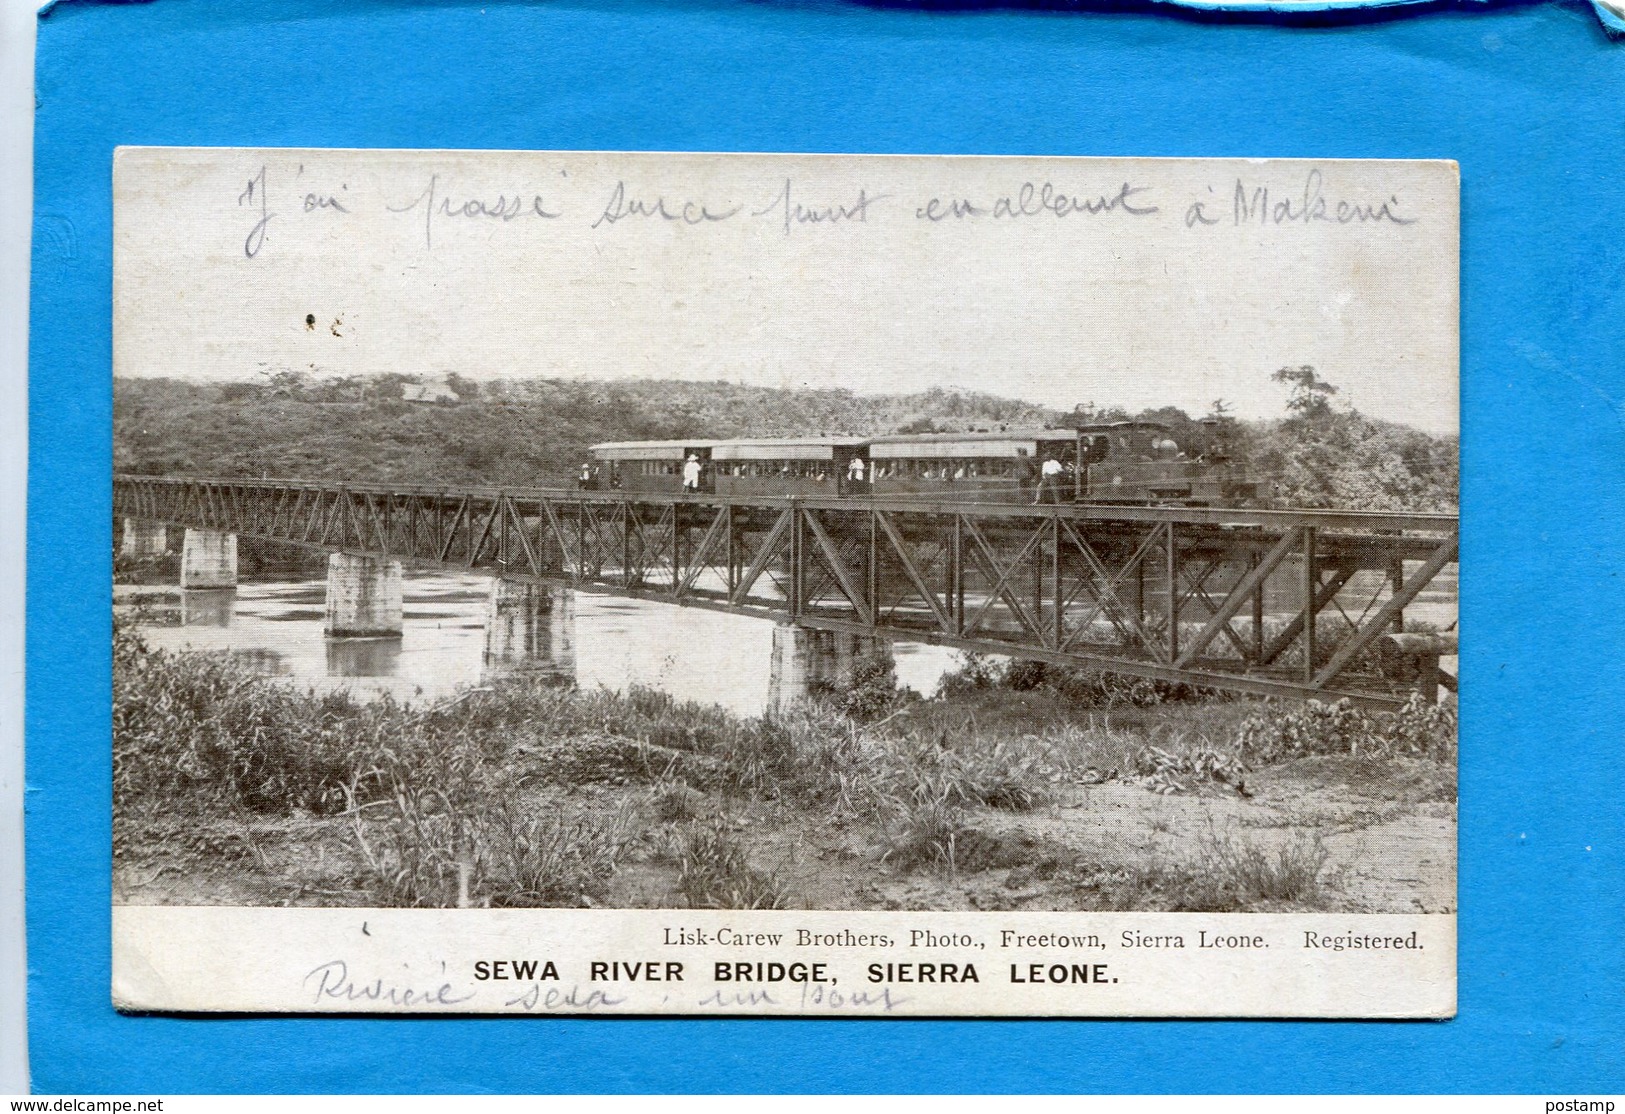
(530, 629)
(269, 663)
(363, 657)
(458, 632)
(207, 607)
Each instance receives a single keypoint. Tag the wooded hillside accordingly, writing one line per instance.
(535, 432)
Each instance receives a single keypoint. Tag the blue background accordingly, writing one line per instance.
(1527, 98)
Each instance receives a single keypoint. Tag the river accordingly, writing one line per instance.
(694, 654)
(691, 653)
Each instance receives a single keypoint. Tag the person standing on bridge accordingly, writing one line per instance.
(1049, 482)
(691, 473)
(1025, 473)
(854, 473)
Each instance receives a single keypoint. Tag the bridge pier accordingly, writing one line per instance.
(208, 559)
(363, 597)
(144, 539)
(530, 629)
(805, 660)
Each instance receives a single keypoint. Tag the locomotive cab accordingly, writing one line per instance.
(1142, 462)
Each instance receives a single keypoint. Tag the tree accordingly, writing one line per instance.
(465, 388)
(1311, 395)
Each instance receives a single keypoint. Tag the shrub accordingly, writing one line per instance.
(1418, 729)
(713, 872)
(1227, 875)
(671, 800)
(758, 756)
(976, 672)
(192, 724)
(873, 690)
(1164, 768)
(1084, 687)
(1026, 675)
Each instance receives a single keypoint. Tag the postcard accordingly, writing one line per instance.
(762, 584)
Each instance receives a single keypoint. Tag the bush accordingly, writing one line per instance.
(444, 850)
(873, 691)
(1233, 874)
(550, 859)
(1084, 687)
(1419, 729)
(976, 672)
(187, 724)
(1227, 875)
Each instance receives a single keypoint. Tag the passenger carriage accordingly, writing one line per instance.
(1001, 466)
(647, 465)
(808, 467)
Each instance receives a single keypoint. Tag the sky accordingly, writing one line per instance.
(1121, 282)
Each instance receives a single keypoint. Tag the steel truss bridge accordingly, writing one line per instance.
(1275, 603)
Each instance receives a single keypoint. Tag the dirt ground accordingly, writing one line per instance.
(1388, 829)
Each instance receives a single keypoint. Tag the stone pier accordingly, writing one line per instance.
(530, 629)
(363, 597)
(144, 539)
(805, 660)
(208, 559)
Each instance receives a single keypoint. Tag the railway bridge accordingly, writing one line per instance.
(1288, 603)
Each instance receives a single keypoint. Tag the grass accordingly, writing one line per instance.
(713, 872)
(1228, 873)
(524, 794)
(1233, 873)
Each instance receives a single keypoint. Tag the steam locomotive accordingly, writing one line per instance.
(1111, 462)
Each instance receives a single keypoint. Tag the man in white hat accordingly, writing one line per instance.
(691, 473)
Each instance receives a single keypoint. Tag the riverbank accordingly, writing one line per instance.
(1009, 791)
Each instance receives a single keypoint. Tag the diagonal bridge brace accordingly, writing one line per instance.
(1253, 582)
(1379, 622)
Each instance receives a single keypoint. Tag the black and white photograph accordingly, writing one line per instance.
(835, 579)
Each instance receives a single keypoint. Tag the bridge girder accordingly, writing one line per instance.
(1251, 601)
